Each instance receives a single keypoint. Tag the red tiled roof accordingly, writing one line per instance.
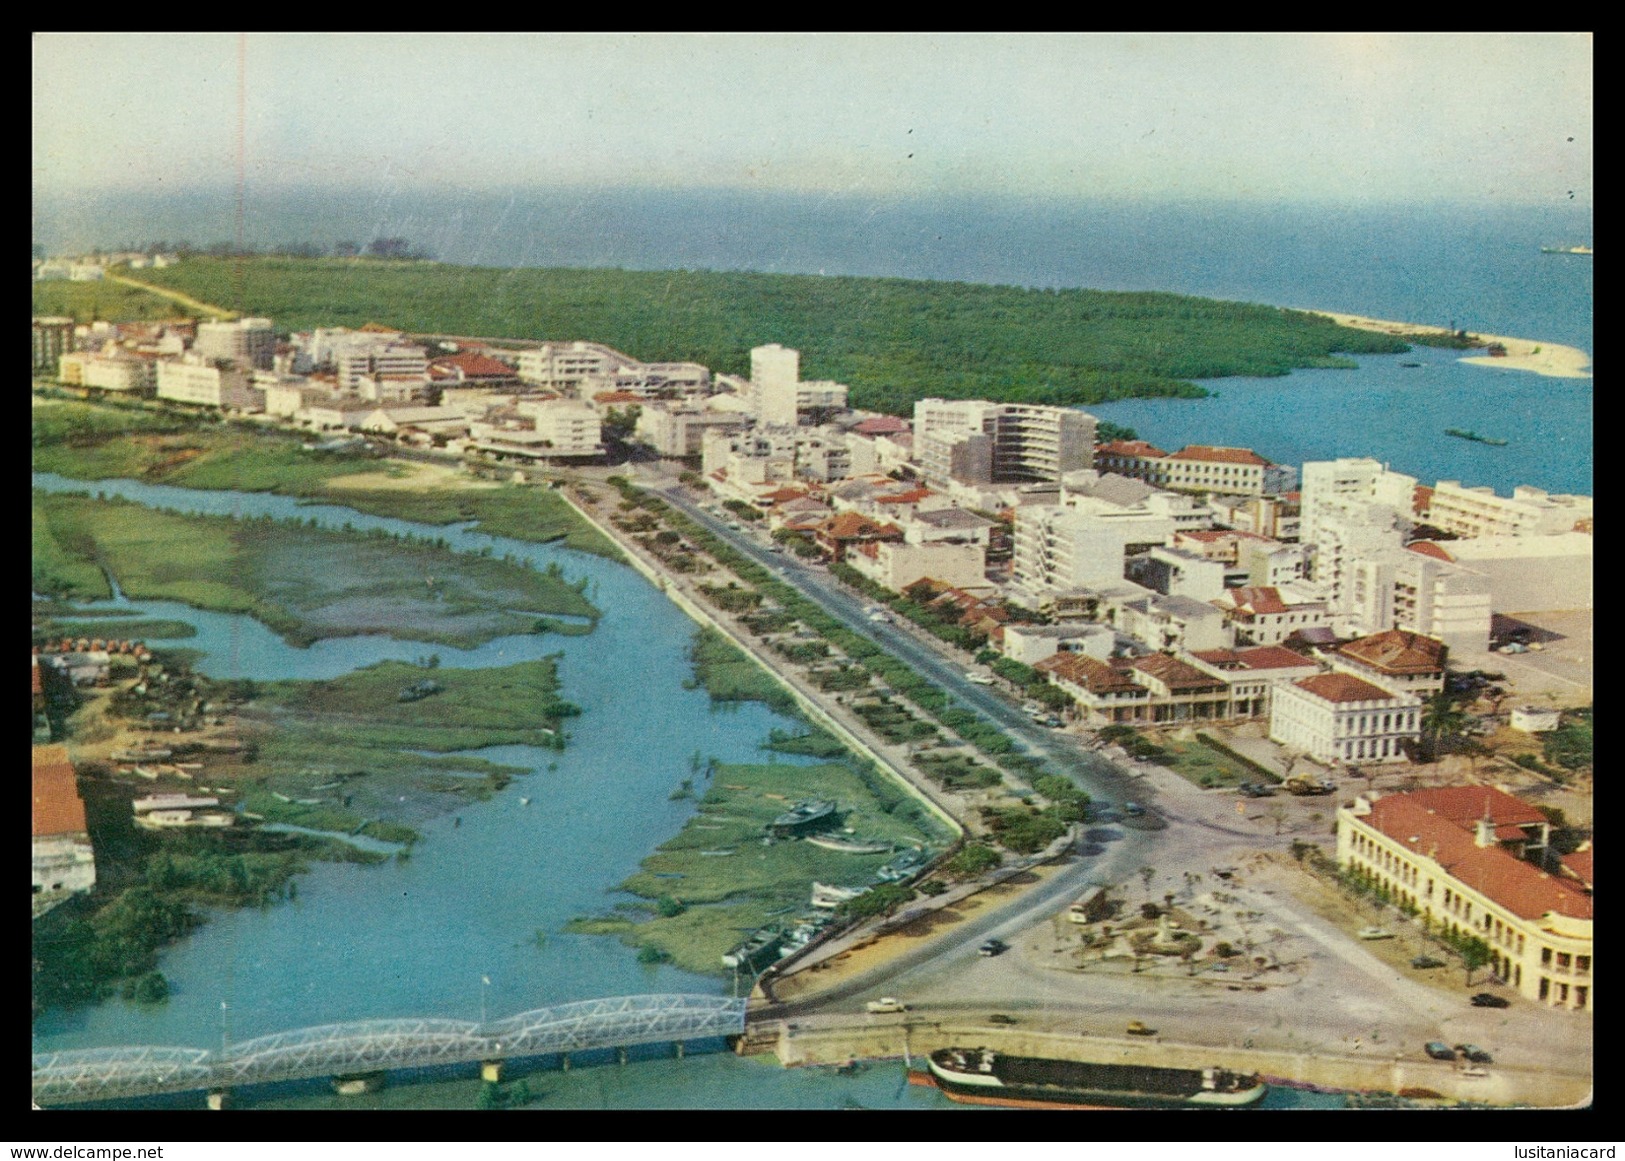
(851, 525)
(617, 397)
(1421, 499)
(1579, 865)
(881, 425)
(474, 366)
(1430, 548)
(1083, 670)
(912, 496)
(1398, 652)
(1342, 687)
(1442, 824)
(1130, 447)
(1173, 672)
(58, 809)
(1258, 599)
(1271, 657)
(1222, 455)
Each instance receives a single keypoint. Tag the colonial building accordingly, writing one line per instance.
(1397, 660)
(1336, 717)
(1477, 862)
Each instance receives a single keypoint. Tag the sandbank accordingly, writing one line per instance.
(1550, 359)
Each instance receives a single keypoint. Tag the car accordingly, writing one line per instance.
(1426, 961)
(1133, 808)
(1439, 1050)
(1138, 1028)
(1475, 1054)
(886, 1004)
(993, 947)
(979, 678)
(1375, 933)
(1000, 1018)
(1490, 1000)
(1256, 790)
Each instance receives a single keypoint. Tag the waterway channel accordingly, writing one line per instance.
(486, 899)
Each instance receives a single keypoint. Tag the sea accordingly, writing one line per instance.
(1479, 267)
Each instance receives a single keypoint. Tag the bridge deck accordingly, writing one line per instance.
(372, 1045)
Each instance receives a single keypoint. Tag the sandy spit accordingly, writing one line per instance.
(1550, 359)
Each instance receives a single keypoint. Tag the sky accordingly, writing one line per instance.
(1253, 116)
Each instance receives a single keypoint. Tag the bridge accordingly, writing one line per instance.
(372, 1046)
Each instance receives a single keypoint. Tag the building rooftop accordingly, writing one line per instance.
(1221, 455)
(953, 518)
(1261, 657)
(1397, 652)
(1095, 676)
(1342, 687)
(58, 809)
(1130, 447)
(1172, 672)
(1442, 824)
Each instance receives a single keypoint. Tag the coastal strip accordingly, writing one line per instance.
(1550, 359)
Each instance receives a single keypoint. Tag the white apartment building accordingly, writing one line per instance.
(1357, 482)
(248, 342)
(126, 374)
(896, 566)
(565, 427)
(676, 431)
(382, 361)
(1269, 614)
(1401, 589)
(1469, 512)
(977, 442)
(1030, 644)
(1338, 718)
(567, 366)
(208, 386)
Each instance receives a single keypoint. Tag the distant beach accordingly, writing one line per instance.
(1550, 359)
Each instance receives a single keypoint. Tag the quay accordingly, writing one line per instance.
(916, 1035)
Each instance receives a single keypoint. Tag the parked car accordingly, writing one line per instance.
(1490, 1000)
(1439, 1050)
(1426, 961)
(1000, 1018)
(978, 678)
(1256, 790)
(993, 947)
(1475, 1054)
(1375, 933)
(1138, 1028)
(886, 1004)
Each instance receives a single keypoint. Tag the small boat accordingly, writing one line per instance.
(524, 802)
(848, 846)
(1410, 364)
(1583, 251)
(1475, 437)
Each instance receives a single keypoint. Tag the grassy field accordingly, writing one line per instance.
(135, 629)
(94, 441)
(892, 340)
(103, 301)
(303, 582)
(727, 894)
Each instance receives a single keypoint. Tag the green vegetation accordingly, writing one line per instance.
(1025, 829)
(103, 301)
(107, 440)
(1569, 746)
(882, 899)
(814, 744)
(135, 629)
(1209, 764)
(729, 675)
(305, 583)
(893, 340)
(715, 898)
(971, 860)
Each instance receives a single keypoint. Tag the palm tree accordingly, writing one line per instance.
(1442, 722)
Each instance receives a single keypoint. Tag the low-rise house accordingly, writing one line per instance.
(1253, 674)
(1338, 718)
(1399, 660)
(896, 566)
(1030, 644)
(1171, 622)
(1268, 615)
(1474, 861)
(1105, 695)
(839, 534)
(64, 859)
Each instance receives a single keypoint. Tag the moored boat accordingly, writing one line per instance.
(803, 817)
(848, 846)
(982, 1076)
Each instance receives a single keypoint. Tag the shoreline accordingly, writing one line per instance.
(1552, 360)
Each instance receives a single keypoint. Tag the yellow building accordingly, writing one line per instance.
(1470, 860)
